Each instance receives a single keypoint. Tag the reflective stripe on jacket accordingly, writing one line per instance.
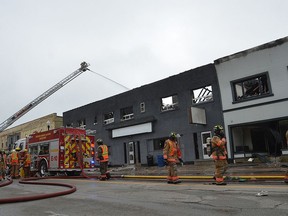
(218, 148)
(14, 158)
(103, 151)
(27, 160)
(171, 151)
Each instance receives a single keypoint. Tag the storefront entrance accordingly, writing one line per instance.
(266, 138)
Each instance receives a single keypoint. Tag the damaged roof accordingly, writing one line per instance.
(254, 49)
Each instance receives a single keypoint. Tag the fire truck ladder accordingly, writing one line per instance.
(42, 97)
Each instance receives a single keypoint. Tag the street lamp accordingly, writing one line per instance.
(48, 124)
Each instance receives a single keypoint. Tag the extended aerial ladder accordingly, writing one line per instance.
(42, 97)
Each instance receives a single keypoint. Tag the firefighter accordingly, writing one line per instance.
(26, 163)
(8, 164)
(286, 175)
(103, 158)
(2, 165)
(171, 155)
(219, 154)
(15, 163)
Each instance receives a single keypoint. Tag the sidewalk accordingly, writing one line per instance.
(207, 169)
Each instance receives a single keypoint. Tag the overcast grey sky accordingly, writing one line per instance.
(134, 42)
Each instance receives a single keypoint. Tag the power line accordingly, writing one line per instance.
(109, 79)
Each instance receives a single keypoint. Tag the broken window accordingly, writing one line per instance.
(126, 113)
(201, 95)
(169, 103)
(251, 87)
(69, 124)
(81, 123)
(95, 120)
(108, 118)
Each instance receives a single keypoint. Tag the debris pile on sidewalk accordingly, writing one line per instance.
(202, 170)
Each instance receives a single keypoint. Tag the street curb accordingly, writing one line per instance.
(202, 177)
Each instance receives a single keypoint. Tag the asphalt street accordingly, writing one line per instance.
(149, 197)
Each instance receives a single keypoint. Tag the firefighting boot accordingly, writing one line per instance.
(221, 183)
(103, 177)
(108, 175)
(177, 181)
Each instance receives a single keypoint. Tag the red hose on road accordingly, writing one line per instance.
(5, 183)
(39, 196)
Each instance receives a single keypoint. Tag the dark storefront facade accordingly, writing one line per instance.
(136, 123)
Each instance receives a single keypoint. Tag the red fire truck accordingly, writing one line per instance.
(62, 150)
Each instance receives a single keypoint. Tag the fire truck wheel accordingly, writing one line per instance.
(43, 168)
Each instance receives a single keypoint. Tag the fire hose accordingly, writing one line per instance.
(72, 188)
(39, 196)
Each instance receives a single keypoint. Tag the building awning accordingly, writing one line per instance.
(132, 130)
(131, 127)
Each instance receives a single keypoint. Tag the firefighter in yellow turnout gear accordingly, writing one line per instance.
(26, 163)
(2, 165)
(171, 155)
(219, 154)
(103, 158)
(15, 157)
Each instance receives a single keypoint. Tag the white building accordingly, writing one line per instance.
(254, 91)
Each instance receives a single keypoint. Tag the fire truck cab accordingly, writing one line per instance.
(65, 150)
(21, 143)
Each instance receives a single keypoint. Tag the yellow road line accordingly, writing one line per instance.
(202, 177)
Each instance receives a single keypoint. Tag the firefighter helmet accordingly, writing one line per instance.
(99, 141)
(217, 128)
(173, 136)
(218, 131)
(18, 149)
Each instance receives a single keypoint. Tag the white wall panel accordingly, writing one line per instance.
(131, 130)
